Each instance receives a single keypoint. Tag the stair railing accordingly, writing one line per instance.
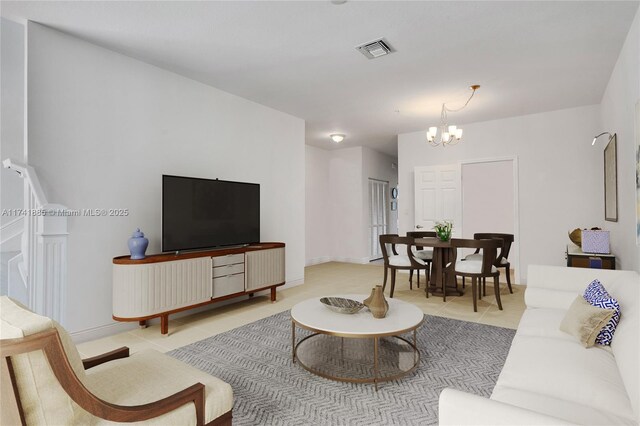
(43, 267)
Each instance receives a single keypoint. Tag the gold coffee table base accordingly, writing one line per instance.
(356, 359)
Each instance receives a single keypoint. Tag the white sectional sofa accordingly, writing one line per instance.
(549, 377)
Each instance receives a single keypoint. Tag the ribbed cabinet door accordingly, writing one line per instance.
(151, 288)
(264, 268)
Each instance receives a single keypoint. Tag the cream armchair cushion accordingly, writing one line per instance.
(136, 380)
(402, 260)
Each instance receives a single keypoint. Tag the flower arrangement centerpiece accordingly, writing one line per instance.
(443, 230)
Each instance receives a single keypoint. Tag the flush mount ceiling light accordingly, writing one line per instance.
(337, 138)
(375, 49)
(601, 134)
(449, 134)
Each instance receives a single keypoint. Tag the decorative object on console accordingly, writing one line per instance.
(611, 180)
(376, 303)
(576, 237)
(443, 230)
(342, 305)
(585, 321)
(598, 296)
(138, 245)
(449, 134)
(595, 241)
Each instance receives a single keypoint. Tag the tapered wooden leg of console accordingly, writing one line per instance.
(164, 324)
(273, 294)
(143, 323)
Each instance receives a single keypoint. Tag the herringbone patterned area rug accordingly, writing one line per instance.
(269, 390)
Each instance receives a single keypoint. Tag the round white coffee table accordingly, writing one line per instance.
(344, 347)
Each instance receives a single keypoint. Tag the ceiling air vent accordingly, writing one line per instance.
(374, 49)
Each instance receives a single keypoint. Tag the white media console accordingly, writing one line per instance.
(163, 284)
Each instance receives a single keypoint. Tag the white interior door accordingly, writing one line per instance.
(378, 215)
(438, 197)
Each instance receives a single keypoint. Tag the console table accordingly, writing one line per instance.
(578, 259)
(163, 284)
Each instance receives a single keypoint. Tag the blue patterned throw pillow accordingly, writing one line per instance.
(598, 296)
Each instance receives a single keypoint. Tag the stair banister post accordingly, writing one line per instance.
(44, 246)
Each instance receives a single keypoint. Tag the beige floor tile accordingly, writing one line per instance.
(179, 335)
(106, 344)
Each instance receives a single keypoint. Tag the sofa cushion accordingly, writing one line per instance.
(536, 297)
(542, 322)
(584, 321)
(598, 296)
(567, 371)
(558, 407)
(150, 375)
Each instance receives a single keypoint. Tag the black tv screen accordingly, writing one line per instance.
(203, 213)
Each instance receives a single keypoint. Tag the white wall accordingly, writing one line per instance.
(318, 195)
(617, 116)
(345, 181)
(337, 201)
(12, 116)
(104, 127)
(558, 189)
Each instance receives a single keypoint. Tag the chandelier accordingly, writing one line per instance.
(449, 135)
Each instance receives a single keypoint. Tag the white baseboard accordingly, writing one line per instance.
(360, 261)
(317, 260)
(325, 259)
(293, 283)
(102, 331)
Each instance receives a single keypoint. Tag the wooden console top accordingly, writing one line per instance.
(168, 257)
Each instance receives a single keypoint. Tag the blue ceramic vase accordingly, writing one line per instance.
(138, 244)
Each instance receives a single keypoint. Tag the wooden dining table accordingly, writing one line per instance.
(444, 258)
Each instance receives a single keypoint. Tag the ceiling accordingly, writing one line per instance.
(300, 57)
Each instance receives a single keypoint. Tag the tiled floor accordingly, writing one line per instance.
(331, 278)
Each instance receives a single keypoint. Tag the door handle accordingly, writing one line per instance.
(419, 226)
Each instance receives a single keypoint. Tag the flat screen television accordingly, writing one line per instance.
(205, 213)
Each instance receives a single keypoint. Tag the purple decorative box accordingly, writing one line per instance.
(595, 242)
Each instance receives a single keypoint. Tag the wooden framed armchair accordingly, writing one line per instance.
(395, 261)
(478, 269)
(502, 261)
(44, 381)
(422, 253)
